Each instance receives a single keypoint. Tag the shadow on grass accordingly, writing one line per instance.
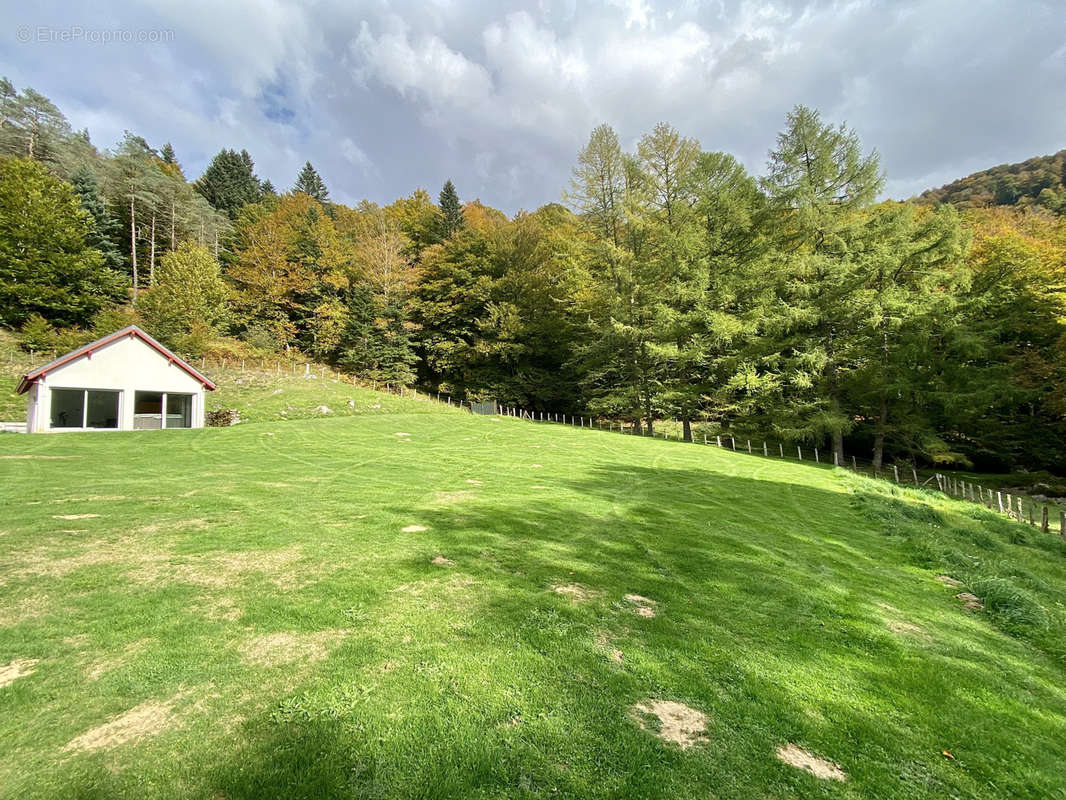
(769, 620)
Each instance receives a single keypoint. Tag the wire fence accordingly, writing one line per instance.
(1020, 507)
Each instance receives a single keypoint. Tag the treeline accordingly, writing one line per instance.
(672, 284)
(1034, 183)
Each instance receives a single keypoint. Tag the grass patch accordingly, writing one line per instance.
(488, 607)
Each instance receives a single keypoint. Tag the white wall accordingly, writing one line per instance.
(126, 365)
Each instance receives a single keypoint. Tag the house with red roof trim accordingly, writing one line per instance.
(124, 381)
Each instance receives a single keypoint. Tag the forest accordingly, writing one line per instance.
(667, 283)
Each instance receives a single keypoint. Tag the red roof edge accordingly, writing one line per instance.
(132, 331)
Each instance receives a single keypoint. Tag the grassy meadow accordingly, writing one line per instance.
(392, 603)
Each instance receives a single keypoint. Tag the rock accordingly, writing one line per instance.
(324, 410)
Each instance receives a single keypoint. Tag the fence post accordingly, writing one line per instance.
(781, 447)
(1062, 524)
(999, 497)
(1031, 520)
(895, 472)
(1020, 518)
(816, 459)
(719, 440)
(749, 447)
(1043, 519)
(855, 466)
(705, 438)
(799, 453)
(733, 442)
(765, 451)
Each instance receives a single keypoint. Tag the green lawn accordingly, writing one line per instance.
(396, 605)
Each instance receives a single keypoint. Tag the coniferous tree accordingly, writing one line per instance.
(451, 211)
(267, 189)
(103, 228)
(818, 180)
(310, 183)
(229, 182)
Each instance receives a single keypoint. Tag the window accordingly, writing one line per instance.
(68, 408)
(101, 409)
(147, 410)
(152, 410)
(179, 411)
(84, 408)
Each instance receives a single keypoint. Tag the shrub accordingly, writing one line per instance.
(1011, 607)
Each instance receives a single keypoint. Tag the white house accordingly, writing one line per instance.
(125, 381)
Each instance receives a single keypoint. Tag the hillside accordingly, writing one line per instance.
(1034, 182)
(434, 605)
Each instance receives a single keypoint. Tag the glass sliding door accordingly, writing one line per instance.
(84, 408)
(101, 409)
(147, 411)
(68, 408)
(179, 410)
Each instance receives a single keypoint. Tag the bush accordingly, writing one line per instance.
(1011, 607)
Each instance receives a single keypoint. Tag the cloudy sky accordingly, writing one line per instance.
(499, 96)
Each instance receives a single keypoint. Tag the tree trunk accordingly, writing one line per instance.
(636, 427)
(686, 429)
(133, 245)
(838, 447)
(879, 437)
(151, 255)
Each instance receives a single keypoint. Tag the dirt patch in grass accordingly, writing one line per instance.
(970, 602)
(947, 580)
(226, 569)
(75, 516)
(796, 756)
(19, 668)
(672, 722)
(148, 719)
(540, 487)
(450, 498)
(441, 561)
(289, 647)
(908, 629)
(414, 529)
(642, 606)
(473, 482)
(176, 525)
(576, 592)
(221, 608)
(25, 608)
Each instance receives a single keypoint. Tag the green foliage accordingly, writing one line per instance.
(451, 211)
(46, 263)
(1036, 182)
(229, 182)
(310, 183)
(189, 294)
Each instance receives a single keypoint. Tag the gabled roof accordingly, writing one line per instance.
(132, 332)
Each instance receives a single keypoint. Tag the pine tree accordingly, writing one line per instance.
(451, 211)
(310, 183)
(817, 182)
(267, 189)
(103, 228)
(229, 182)
(166, 152)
